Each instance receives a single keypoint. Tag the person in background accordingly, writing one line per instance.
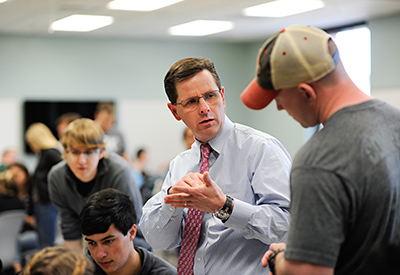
(58, 260)
(23, 180)
(144, 177)
(138, 164)
(28, 240)
(188, 138)
(233, 211)
(45, 145)
(9, 201)
(63, 121)
(86, 170)
(105, 117)
(108, 223)
(9, 157)
(345, 181)
(9, 193)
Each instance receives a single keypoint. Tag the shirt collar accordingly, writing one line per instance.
(218, 142)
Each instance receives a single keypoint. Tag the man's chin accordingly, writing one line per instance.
(106, 266)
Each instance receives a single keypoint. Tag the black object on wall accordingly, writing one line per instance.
(47, 112)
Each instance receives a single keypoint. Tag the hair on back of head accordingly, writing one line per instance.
(8, 186)
(58, 260)
(68, 117)
(105, 106)
(41, 136)
(107, 207)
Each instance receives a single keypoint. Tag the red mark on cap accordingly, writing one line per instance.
(265, 51)
(305, 37)
(283, 53)
(282, 30)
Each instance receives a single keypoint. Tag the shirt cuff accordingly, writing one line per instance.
(240, 215)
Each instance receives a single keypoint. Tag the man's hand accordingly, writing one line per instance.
(272, 248)
(293, 267)
(198, 191)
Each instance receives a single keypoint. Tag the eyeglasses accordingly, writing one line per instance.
(88, 153)
(193, 102)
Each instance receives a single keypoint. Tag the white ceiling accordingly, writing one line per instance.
(33, 17)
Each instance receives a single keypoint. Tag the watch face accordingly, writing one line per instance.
(225, 211)
(222, 215)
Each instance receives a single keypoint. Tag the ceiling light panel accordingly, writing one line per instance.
(201, 28)
(140, 5)
(282, 8)
(81, 23)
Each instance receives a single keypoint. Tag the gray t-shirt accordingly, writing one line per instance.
(345, 189)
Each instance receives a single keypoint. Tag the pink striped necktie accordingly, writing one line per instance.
(193, 225)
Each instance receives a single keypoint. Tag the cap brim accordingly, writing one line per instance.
(256, 97)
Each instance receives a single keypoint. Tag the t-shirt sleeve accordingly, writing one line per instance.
(318, 224)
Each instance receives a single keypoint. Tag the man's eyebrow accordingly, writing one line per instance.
(103, 239)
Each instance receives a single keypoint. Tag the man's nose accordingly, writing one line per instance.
(101, 252)
(82, 157)
(203, 106)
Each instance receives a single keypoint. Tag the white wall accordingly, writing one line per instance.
(390, 95)
(11, 128)
(149, 124)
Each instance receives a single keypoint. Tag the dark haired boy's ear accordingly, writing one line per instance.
(132, 232)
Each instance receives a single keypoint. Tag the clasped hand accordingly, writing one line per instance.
(197, 191)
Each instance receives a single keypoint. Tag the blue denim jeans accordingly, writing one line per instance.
(26, 242)
(46, 223)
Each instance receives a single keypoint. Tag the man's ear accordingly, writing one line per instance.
(132, 232)
(223, 95)
(174, 111)
(102, 152)
(308, 92)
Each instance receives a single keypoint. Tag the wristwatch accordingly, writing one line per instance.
(271, 260)
(225, 211)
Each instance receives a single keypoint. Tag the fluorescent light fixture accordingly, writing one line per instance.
(140, 5)
(2, 1)
(201, 28)
(81, 23)
(281, 8)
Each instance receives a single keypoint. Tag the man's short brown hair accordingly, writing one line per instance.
(185, 69)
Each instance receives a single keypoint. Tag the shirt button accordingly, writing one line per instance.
(204, 234)
(158, 227)
(170, 209)
(199, 259)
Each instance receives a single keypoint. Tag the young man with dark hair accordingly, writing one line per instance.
(108, 223)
